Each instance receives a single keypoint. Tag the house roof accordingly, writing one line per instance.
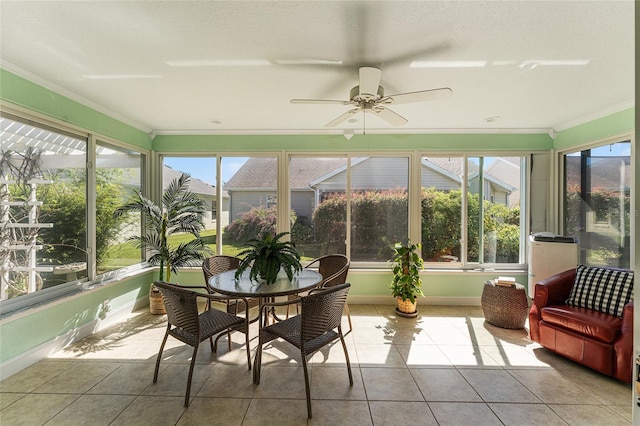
(260, 173)
(453, 167)
(195, 185)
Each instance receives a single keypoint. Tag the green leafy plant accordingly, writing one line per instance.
(182, 211)
(267, 255)
(406, 272)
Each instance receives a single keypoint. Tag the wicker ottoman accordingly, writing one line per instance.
(505, 307)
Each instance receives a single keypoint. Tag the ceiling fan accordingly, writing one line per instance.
(369, 97)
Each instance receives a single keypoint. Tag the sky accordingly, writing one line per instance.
(204, 168)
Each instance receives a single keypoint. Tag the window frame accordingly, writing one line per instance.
(414, 226)
(560, 184)
(44, 296)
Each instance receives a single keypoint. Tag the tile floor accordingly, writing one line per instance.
(446, 367)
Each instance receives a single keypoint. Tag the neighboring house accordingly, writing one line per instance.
(311, 179)
(206, 192)
(254, 184)
(507, 170)
(444, 173)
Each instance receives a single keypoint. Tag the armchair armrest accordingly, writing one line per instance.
(624, 346)
(627, 318)
(555, 289)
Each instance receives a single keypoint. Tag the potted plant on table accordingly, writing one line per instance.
(182, 211)
(267, 255)
(406, 284)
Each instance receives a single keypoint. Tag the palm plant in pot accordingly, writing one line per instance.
(406, 285)
(267, 255)
(181, 212)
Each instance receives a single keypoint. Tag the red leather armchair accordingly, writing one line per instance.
(597, 340)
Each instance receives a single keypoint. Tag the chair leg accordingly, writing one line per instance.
(346, 355)
(346, 310)
(306, 383)
(246, 340)
(155, 374)
(257, 363)
(214, 347)
(193, 363)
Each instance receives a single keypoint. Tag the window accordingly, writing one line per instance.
(379, 206)
(317, 193)
(441, 208)
(118, 176)
(202, 172)
(44, 204)
(361, 205)
(596, 208)
(251, 188)
(373, 189)
(60, 229)
(494, 226)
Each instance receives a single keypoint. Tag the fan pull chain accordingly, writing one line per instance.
(364, 123)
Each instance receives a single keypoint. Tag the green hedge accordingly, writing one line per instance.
(379, 220)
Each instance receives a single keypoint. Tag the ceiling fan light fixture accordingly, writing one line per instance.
(348, 134)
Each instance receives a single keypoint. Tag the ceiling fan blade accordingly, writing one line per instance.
(389, 116)
(419, 96)
(319, 101)
(414, 55)
(342, 118)
(369, 80)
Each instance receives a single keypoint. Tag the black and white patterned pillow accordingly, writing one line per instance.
(601, 289)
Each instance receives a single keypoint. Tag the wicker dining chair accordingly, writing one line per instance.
(334, 269)
(318, 324)
(186, 324)
(221, 263)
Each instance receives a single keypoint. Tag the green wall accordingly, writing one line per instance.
(26, 94)
(24, 332)
(438, 286)
(602, 128)
(338, 143)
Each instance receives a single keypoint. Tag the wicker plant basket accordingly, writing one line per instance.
(406, 306)
(156, 304)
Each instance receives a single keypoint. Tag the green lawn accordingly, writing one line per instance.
(124, 254)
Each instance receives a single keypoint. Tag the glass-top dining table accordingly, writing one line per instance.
(226, 283)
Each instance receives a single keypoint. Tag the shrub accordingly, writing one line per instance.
(255, 223)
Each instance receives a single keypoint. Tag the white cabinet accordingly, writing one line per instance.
(548, 257)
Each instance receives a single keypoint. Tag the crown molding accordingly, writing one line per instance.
(595, 115)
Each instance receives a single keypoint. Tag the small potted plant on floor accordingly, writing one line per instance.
(406, 284)
(267, 255)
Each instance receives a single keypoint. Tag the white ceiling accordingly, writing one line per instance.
(177, 66)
